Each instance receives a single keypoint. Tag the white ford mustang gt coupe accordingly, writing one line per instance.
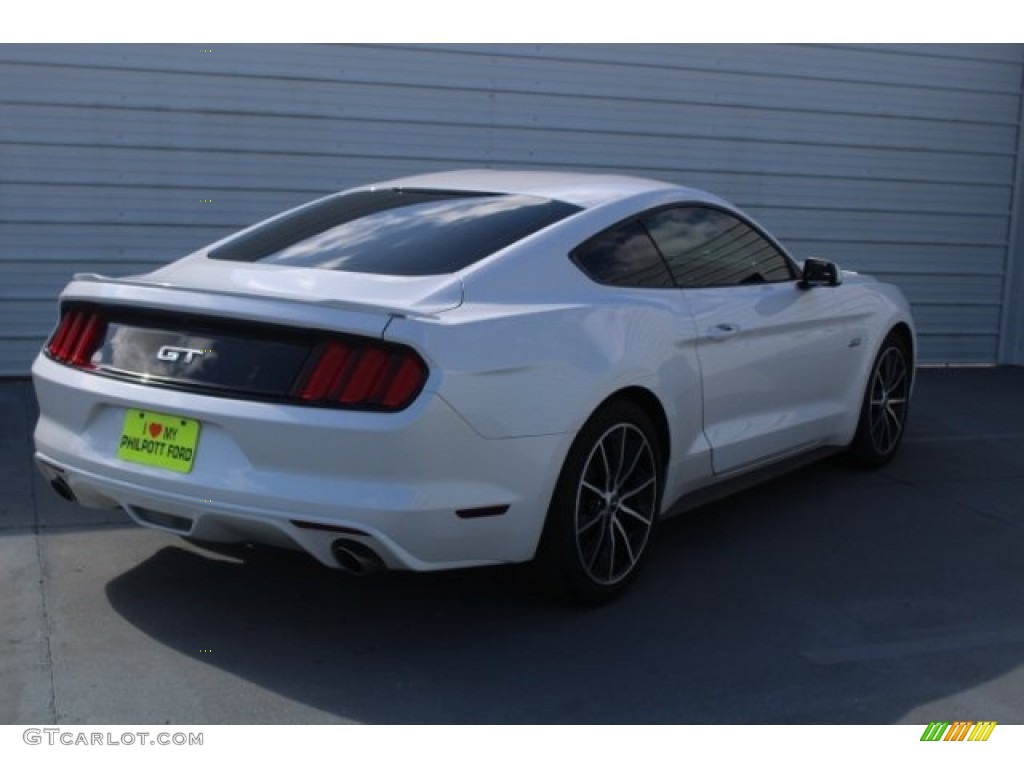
(468, 368)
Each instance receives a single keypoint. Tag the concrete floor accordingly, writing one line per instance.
(828, 596)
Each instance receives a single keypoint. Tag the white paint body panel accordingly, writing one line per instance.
(521, 348)
(778, 368)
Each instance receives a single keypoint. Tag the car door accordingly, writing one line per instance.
(773, 357)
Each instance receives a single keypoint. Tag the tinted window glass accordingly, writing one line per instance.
(707, 247)
(396, 232)
(623, 255)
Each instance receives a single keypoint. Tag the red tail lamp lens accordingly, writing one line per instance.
(78, 336)
(362, 376)
(328, 371)
(368, 375)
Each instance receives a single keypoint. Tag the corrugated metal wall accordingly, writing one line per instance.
(895, 160)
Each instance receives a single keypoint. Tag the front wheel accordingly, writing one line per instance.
(886, 403)
(605, 506)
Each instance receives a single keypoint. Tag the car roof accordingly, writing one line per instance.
(585, 190)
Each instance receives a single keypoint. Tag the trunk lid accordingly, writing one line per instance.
(244, 330)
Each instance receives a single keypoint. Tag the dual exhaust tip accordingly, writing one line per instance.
(351, 556)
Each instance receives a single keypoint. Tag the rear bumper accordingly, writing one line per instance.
(306, 477)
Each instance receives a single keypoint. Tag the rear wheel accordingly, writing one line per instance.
(605, 506)
(886, 403)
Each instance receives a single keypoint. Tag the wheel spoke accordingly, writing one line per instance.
(891, 425)
(593, 488)
(895, 424)
(885, 372)
(900, 378)
(896, 421)
(633, 465)
(598, 547)
(622, 461)
(625, 540)
(607, 468)
(878, 426)
(589, 524)
(649, 481)
(634, 514)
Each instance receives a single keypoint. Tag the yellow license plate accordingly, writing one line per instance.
(159, 440)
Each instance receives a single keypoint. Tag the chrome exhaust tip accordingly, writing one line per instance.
(356, 558)
(61, 488)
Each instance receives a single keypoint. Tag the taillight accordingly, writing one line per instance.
(79, 335)
(361, 375)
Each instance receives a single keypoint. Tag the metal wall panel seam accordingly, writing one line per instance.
(885, 194)
(833, 68)
(603, 80)
(1011, 324)
(294, 58)
(556, 53)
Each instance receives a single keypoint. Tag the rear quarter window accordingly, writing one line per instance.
(623, 256)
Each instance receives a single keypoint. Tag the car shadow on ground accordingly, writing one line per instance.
(831, 595)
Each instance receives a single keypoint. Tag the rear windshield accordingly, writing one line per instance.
(395, 231)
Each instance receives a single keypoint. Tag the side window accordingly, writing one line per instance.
(706, 247)
(623, 255)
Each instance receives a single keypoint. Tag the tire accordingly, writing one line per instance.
(886, 404)
(605, 506)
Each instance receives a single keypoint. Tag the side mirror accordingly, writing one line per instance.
(820, 272)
